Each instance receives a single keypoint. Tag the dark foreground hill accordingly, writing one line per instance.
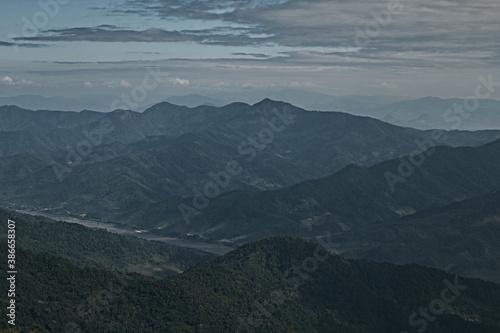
(275, 285)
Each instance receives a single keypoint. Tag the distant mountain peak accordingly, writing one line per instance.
(267, 102)
(165, 107)
(194, 100)
(10, 108)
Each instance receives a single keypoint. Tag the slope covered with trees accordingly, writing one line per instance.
(126, 160)
(349, 199)
(463, 238)
(254, 288)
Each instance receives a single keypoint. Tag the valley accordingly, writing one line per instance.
(259, 166)
(204, 246)
(244, 195)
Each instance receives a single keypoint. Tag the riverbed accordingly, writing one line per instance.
(208, 247)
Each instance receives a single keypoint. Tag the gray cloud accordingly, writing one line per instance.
(137, 52)
(28, 45)
(423, 34)
(192, 9)
(433, 29)
(255, 55)
(104, 34)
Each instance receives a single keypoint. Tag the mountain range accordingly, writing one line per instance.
(127, 160)
(421, 113)
(340, 222)
(351, 198)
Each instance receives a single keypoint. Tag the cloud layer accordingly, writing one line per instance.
(371, 46)
(452, 31)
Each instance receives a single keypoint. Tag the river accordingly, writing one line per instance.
(208, 247)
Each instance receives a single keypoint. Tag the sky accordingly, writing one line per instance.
(338, 47)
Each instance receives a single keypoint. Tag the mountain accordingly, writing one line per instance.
(36, 102)
(105, 102)
(350, 199)
(421, 113)
(97, 102)
(462, 238)
(424, 113)
(117, 126)
(304, 99)
(432, 112)
(140, 159)
(49, 131)
(300, 98)
(345, 104)
(359, 105)
(194, 100)
(274, 285)
(15, 119)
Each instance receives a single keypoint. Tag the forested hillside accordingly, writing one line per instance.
(254, 288)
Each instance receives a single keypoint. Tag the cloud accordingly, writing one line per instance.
(180, 82)
(203, 10)
(248, 85)
(7, 80)
(371, 35)
(27, 45)
(296, 84)
(299, 44)
(383, 86)
(109, 84)
(87, 84)
(7, 43)
(251, 85)
(420, 34)
(25, 82)
(256, 55)
(125, 84)
(386, 85)
(136, 52)
(220, 84)
(153, 35)
(112, 84)
(105, 34)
